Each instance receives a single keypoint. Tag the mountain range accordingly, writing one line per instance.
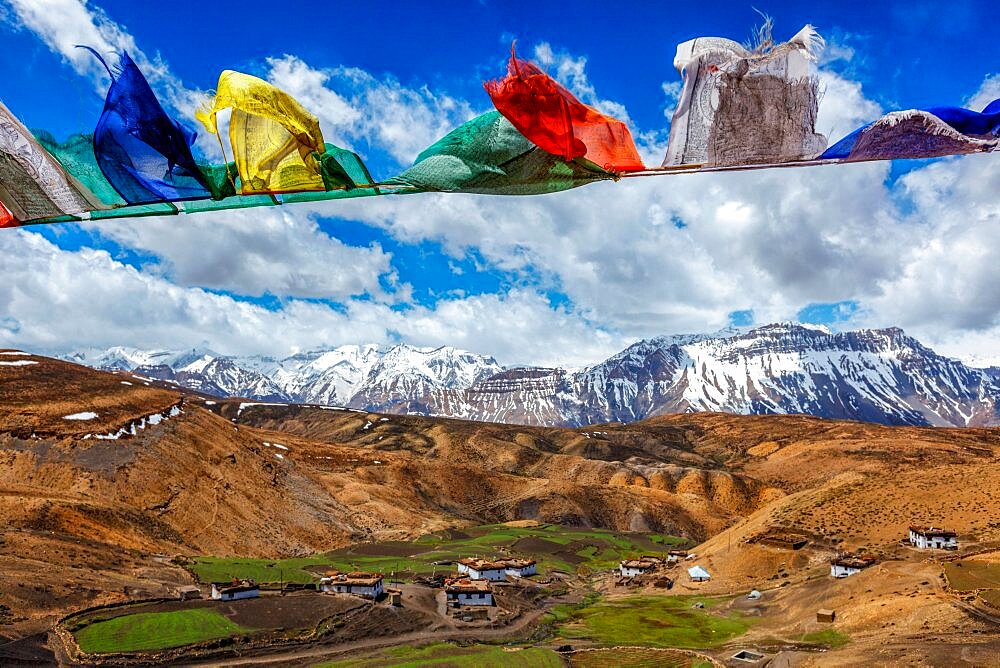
(873, 375)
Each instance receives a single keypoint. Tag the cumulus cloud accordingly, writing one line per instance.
(653, 255)
(59, 300)
(949, 275)
(636, 258)
(989, 91)
(62, 24)
(942, 288)
(278, 251)
(354, 105)
(843, 107)
(571, 71)
(672, 92)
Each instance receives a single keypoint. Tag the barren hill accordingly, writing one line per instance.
(101, 470)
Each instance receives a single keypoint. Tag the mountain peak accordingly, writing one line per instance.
(877, 375)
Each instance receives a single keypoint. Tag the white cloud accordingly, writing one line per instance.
(837, 52)
(989, 91)
(281, 251)
(354, 105)
(672, 91)
(58, 300)
(571, 71)
(637, 258)
(843, 107)
(946, 287)
(62, 24)
(771, 241)
(949, 275)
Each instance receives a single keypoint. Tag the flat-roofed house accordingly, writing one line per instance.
(848, 564)
(933, 538)
(483, 569)
(365, 585)
(521, 568)
(630, 568)
(235, 590)
(464, 591)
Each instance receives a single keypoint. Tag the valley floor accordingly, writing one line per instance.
(106, 518)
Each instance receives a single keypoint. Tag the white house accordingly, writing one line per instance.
(521, 568)
(840, 570)
(233, 591)
(698, 574)
(847, 565)
(932, 537)
(630, 568)
(365, 585)
(468, 592)
(481, 569)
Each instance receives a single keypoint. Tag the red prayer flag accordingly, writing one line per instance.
(554, 120)
(6, 217)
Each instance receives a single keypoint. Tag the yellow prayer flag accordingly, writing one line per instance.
(273, 137)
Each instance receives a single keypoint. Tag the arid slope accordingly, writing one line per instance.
(88, 519)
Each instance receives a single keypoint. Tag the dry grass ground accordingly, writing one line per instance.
(37, 396)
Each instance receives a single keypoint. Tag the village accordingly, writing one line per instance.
(508, 591)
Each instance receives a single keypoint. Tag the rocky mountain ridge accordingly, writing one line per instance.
(875, 375)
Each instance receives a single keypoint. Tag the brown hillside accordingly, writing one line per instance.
(85, 517)
(83, 510)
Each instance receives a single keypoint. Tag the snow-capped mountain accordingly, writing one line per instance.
(874, 375)
(120, 358)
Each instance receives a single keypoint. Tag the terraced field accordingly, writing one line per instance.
(690, 622)
(556, 548)
(155, 630)
(455, 656)
(831, 638)
(168, 624)
(991, 597)
(969, 575)
(636, 657)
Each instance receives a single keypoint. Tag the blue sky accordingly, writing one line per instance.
(418, 264)
(907, 52)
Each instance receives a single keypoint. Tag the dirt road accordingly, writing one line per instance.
(330, 648)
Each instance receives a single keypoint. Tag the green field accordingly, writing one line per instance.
(832, 638)
(554, 547)
(447, 654)
(969, 575)
(654, 621)
(155, 630)
(632, 657)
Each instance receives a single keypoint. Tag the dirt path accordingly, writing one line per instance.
(977, 612)
(326, 649)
